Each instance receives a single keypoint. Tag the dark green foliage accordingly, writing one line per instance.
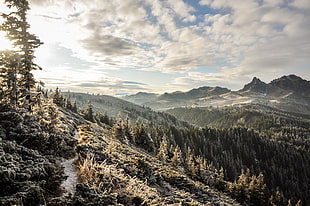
(88, 112)
(117, 130)
(58, 98)
(283, 165)
(258, 117)
(74, 107)
(141, 137)
(126, 127)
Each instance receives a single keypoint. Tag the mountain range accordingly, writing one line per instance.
(287, 92)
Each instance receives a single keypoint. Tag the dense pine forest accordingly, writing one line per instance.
(125, 154)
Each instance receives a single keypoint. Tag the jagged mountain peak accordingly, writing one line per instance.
(256, 85)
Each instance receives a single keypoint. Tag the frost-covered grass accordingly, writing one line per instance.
(109, 166)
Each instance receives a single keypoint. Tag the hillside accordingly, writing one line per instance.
(141, 164)
(256, 116)
(113, 107)
(110, 171)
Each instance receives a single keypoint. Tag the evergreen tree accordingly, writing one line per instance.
(117, 131)
(176, 159)
(141, 137)
(74, 106)
(162, 154)
(16, 27)
(127, 129)
(258, 190)
(89, 115)
(190, 163)
(8, 77)
(57, 98)
(68, 103)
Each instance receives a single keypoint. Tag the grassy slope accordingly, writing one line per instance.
(125, 174)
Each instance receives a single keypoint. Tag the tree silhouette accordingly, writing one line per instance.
(16, 27)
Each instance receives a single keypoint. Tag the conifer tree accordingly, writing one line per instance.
(68, 103)
(74, 107)
(141, 137)
(8, 77)
(127, 129)
(89, 115)
(16, 27)
(117, 131)
(190, 163)
(162, 154)
(258, 190)
(57, 98)
(176, 159)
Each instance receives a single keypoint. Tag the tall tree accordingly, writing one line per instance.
(89, 114)
(162, 154)
(8, 77)
(16, 27)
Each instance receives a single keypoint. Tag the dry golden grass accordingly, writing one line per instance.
(107, 178)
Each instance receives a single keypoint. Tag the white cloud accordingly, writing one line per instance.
(249, 37)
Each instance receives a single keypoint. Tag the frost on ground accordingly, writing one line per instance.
(71, 172)
(72, 176)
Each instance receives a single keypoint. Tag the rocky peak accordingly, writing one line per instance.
(293, 83)
(256, 85)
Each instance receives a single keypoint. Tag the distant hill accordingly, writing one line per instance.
(141, 97)
(175, 99)
(291, 93)
(113, 107)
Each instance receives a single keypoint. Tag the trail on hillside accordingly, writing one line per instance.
(71, 172)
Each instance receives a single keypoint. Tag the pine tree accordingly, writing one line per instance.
(176, 159)
(258, 190)
(141, 137)
(117, 131)
(127, 129)
(162, 154)
(74, 107)
(8, 77)
(89, 115)
(190, 163)
(68, 103)
(57, 98)
(16, 27)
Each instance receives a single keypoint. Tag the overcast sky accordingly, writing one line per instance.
(126, 46)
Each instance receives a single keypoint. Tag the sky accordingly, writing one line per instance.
(127, 46)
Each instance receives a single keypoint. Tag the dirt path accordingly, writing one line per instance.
(71, 172)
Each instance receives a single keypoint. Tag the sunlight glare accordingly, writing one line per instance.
(5, 44)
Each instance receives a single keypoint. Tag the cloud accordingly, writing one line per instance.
(107, 45)
(229, 78)
(237, 38)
